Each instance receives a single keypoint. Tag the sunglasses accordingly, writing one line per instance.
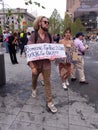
(46, 22)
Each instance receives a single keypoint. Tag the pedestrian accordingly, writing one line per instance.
(28, 35)
(66, 65)
(6, 34)
(57, 38)
(78, 42)
(41, 24)
(12, 43)
(23, 42)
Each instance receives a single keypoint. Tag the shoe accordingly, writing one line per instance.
(16, 62)
(83, 82)
(42, 83)
(73, 79)
(64, 86)
(67, 82)
(33, 93)
(51, 107)
(13, 63)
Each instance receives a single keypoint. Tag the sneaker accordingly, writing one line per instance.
(83, 82)
(51, 107)
(33, 93)
(67, 82)
(64, 86)
(42, 83)
(73, 79)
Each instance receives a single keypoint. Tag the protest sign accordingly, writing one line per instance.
(72, 54)
(44, 51)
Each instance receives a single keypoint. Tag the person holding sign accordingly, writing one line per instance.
(65, 66)
(43, 66)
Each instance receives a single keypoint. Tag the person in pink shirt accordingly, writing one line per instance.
(80, 63)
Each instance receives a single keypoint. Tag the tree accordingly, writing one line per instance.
(0, 30)
(19, 18)
(67, 21)
(55, 23)
(9, 12)
(75, 26)
(78, 26)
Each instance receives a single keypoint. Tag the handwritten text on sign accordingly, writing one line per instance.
(44, 51)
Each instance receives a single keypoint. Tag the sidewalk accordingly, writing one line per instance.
(19, 111)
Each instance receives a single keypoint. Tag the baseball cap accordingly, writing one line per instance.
(79, 34)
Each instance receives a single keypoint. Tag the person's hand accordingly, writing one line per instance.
(52, 58)
(86, 46)
(34, 70)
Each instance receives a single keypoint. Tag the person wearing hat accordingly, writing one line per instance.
(78, 42)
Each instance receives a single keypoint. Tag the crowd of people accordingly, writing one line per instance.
(14, 42)
(67, 68)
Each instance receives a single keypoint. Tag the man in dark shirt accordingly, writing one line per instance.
(12, 43)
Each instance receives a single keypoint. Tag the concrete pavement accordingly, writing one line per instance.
(77, 109)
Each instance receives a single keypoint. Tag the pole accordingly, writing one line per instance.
(3, 14)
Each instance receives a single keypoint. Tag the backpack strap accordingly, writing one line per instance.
(35, 36)
(50, 38)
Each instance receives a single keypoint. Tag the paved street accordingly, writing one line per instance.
(77, 107)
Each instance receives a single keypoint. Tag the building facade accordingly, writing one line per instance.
(86, 10)
(16, 19)
(71, 6)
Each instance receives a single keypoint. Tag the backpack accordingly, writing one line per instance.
(36, 36)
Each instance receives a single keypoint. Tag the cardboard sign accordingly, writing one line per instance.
(72, 54)
(44, 51)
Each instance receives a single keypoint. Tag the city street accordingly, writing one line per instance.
(77, 107)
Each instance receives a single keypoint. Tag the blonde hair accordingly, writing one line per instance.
(36, 22)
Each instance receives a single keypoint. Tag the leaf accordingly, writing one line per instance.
(30, 2)
(43, 7)
(35, 3)
(26, 3)
(38, 4)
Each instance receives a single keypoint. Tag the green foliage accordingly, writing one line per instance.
(55, 23)
(0, 30)
(75, 26)
(67, 21)
(9, 12)
(29, 2)
(12, 27)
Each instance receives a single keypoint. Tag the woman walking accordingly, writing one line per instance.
(65, 67)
